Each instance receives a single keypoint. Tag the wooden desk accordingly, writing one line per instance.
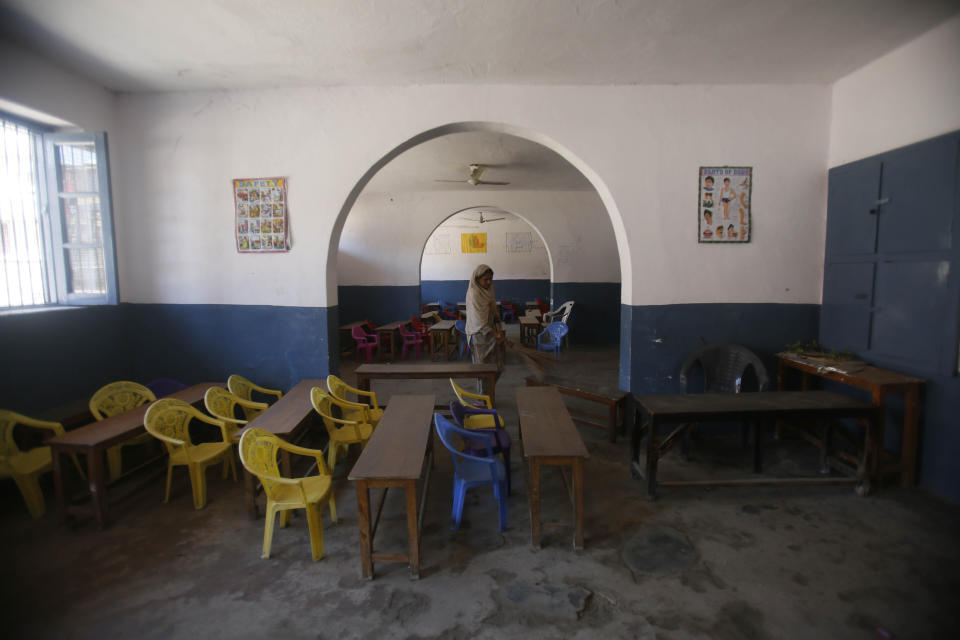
(879, 382)
(441, 331)
(754, 407)
(402, 371)
(388, 332)
(611, 397)
(394, 457)
(93, 439)
(284, 419)
(529, 328)
(550, 439)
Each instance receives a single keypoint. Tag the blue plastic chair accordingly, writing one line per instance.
(471, 471)
(461, 327)
(508, 312)
(551, 338)
(478, 446)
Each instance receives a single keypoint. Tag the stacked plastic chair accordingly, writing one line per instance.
(365, 342)
(410, 339)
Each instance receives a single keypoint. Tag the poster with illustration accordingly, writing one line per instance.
(723, 211)
(473, 243)
(261, 220)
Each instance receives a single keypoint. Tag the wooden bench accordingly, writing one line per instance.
(394, 457)
(440, 333)
(95, 438)
(401, 371)
(286, 418)
(614, 399)
(550, 438)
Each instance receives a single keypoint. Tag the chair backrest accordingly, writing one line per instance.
(323, 404)
(169, 419)
(543, 306)
(406, 333)
(117, 397)
(258, 455)
(417, 324)
(555, 331)
(360, 335)
(223, 405)
(369, 326)
(9, 421)
(724, 365)
(564, 310)
(458, 411)
(240, 386)
(454, 439)
(461, 326)
(165, 386)
(466, 398)
(339, 389)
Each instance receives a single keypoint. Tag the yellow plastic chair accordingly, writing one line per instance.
(240, 386)
(258, 453)
(115, 398)
(467, 399)
(26, 467)
(341, 437)
(222, 404)
(339, 390)
(168, 420)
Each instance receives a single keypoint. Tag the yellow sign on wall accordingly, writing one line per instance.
(473, 242)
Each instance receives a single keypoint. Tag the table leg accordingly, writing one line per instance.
(98, 490)
(826, 445)
(250, 494)
(578, 503)
(363, 521)
(653, 458)
(492, 388)
(363, 382)
(612, 421)
(863, 468)
(58, 481)
(534, 500)
(413, 531)
(911, 427)
(757, 446)
(880, 402)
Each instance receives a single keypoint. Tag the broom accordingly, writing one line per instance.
(537, 361)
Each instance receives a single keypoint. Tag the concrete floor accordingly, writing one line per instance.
(738, 562)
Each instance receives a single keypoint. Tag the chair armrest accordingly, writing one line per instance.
(272, 392)
(477, 396)
(250, 404)
(304, 451)
(479, 411)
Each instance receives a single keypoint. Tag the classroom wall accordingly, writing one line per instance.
(910, 94)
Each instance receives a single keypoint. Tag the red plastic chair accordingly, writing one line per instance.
(544, 307)
(410, 339)
(508, 311)
(365, 341)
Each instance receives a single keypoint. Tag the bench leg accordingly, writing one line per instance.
(363, 521)
(578, 503)
(413, 531)
(535, 531)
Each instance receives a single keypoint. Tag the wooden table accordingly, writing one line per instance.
(388, 332)
(402, 371)
(550, 438)
(611, 397)
(529, 328)
(879, 382)
(95, 438)
(441, 331)
(394, 457)
(285, 418)
(754, 407)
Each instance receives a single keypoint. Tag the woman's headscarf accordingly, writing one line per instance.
(481, 303)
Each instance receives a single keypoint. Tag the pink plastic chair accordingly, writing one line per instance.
(410, 339)
(365, 341)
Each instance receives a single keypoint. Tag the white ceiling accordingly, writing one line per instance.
(164, 45)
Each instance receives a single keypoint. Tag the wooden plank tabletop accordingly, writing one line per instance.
(285, 415)
(398, 444)
(690, 406)
(586, 387)
(545, 424)
(443, 325)
(351, 325)
(428, 370)
(391, 326)
(854, 374)
(122, 426)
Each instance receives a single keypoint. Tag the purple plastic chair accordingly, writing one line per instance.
(365, 341)
(410, 338)
(164, 386)
(498, 443)
(462, 338)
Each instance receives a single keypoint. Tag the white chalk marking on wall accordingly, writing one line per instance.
(519, 242)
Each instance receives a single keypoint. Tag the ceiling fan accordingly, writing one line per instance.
(473, 222)
(476, 177)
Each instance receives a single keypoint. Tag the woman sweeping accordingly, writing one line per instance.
(484, 327)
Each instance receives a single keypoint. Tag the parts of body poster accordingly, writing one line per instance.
(261, 221)
(724, 204)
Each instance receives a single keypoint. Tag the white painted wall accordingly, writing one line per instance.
(384, 235)
(174, 155)
(533, 264)
(908, 95)
(641, 145)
